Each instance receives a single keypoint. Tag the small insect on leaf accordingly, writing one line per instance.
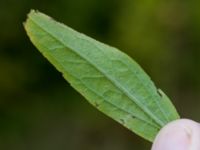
(109, 79)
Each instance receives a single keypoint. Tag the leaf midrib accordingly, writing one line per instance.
(145, 109)
(105, 99)
(139, 118)
(142, 83)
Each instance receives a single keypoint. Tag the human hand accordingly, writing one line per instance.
(183, 134)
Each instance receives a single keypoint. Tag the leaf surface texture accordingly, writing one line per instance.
(109, 79)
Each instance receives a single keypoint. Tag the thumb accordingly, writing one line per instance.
(181, 134)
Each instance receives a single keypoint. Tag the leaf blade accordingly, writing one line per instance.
(108, 78)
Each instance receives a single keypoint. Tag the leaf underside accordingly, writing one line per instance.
(109, 79)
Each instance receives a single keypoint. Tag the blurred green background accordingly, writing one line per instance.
(38, 108)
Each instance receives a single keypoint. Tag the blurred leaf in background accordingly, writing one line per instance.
(39, 110)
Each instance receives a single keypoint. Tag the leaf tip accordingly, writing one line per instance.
(31, 13)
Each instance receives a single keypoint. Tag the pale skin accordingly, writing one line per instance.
(182, 134)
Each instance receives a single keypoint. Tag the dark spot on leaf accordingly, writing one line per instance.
(159, 93)
(122, 121)
(96, 104)
(133, 117)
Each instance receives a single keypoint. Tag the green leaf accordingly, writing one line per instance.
(109, 79)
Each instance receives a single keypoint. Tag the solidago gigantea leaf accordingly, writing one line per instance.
(109, 79)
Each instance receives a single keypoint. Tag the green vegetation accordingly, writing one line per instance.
(109, 79)
(40, 111)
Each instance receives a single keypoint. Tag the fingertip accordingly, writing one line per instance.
(182, 134)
